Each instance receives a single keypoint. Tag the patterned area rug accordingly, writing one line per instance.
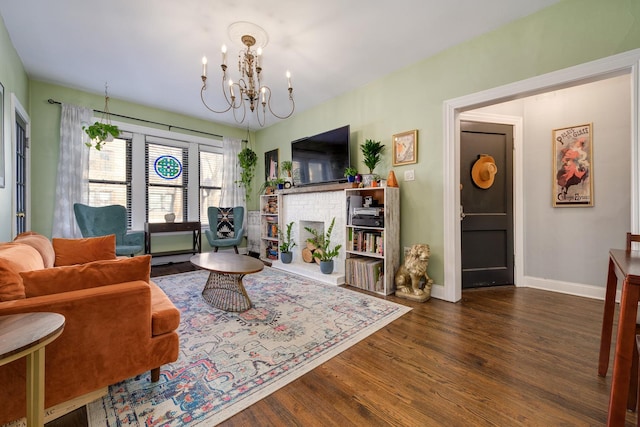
(229, 361)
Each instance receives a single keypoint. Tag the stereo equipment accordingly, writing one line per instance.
(368, 220)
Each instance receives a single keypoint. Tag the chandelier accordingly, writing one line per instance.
(248, 88)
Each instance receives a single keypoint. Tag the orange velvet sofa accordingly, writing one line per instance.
(119, 324)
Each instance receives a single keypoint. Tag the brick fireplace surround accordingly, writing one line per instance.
(310, 206)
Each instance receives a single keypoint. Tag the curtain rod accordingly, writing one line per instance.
(51, 101)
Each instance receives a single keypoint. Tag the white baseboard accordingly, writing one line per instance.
(577, 289)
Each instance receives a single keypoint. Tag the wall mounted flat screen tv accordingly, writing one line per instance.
(321, 158)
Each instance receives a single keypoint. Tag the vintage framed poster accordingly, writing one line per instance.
(271, 165)
(573, 166)
(405, 148)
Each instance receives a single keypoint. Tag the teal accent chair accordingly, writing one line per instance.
(238, 229)
(105, 220)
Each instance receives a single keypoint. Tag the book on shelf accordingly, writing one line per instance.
(369, 241)
(365, 273)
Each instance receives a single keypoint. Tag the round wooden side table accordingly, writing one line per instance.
(26, 335)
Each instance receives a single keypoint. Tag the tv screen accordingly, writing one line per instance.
(321, 158)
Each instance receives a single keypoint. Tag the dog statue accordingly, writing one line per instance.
(413, 273)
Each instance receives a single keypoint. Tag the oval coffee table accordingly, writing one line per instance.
(224, 288)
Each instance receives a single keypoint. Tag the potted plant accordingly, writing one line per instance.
(248, 159)
(286, 244)
(323, 252)
(371, 151)
(99, 133)
(287, 166)
(350, 173)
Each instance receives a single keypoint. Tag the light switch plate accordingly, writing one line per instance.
(409, 175)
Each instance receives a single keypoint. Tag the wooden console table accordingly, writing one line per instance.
(27, 335)
(172, 227)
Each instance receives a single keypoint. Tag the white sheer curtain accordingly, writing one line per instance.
(232, 194)
(73, 163)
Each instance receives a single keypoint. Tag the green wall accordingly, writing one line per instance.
(569, 33)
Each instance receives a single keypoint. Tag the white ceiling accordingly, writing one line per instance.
(149, 51)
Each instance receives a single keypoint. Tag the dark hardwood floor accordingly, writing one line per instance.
(503, 356)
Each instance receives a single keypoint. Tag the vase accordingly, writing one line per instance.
(286, 257)
(326, 267)
(170, 217)
(351, 178)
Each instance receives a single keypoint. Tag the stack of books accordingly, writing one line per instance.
(365, 273)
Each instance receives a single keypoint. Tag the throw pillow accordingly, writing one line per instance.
(11, 285)
(41, 244)
(80, 251)
(225, 223)
(85, 276)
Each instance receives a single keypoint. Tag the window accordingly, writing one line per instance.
(167, 179)
(110, 175)
(210, 181)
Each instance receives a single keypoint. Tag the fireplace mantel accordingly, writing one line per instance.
(318, 188)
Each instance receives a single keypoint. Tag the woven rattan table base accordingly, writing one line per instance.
(226, 292)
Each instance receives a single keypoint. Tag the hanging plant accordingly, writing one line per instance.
(102, 131)
(99, 133)
(248, 160)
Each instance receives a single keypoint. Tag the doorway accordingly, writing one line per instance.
(486, 210)
(455, 110)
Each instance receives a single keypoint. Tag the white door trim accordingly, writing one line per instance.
(624, 63)
(18, 111)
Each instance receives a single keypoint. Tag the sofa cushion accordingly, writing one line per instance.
(81, 251)
(11, 286)
(24, 256)
(90, 275)
(165, 317)
(40, 243)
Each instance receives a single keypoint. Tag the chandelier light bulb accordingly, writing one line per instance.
(224, 54)
(231, 87)
(289, 79)
(204, 66)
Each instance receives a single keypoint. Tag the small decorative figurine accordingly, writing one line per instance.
(412, 281)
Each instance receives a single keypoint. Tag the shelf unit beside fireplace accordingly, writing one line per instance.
(373, 251)
(269, 211)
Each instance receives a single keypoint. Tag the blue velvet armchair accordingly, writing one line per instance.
(225, 230)
(105, 220)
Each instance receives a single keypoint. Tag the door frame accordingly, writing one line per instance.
(18, 111)
(601, 69)
(517, 187)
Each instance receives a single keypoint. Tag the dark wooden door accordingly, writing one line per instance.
(487, 207)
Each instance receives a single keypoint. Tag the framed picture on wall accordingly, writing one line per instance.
(405, 148)
(572, 166)
(271, 165)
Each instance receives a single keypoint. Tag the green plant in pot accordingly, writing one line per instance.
(102, 131)
(99, 133)
(286, 244)
(372, 153)
(323, 251)
(350, 173)
(286, 166)
(248, 160)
